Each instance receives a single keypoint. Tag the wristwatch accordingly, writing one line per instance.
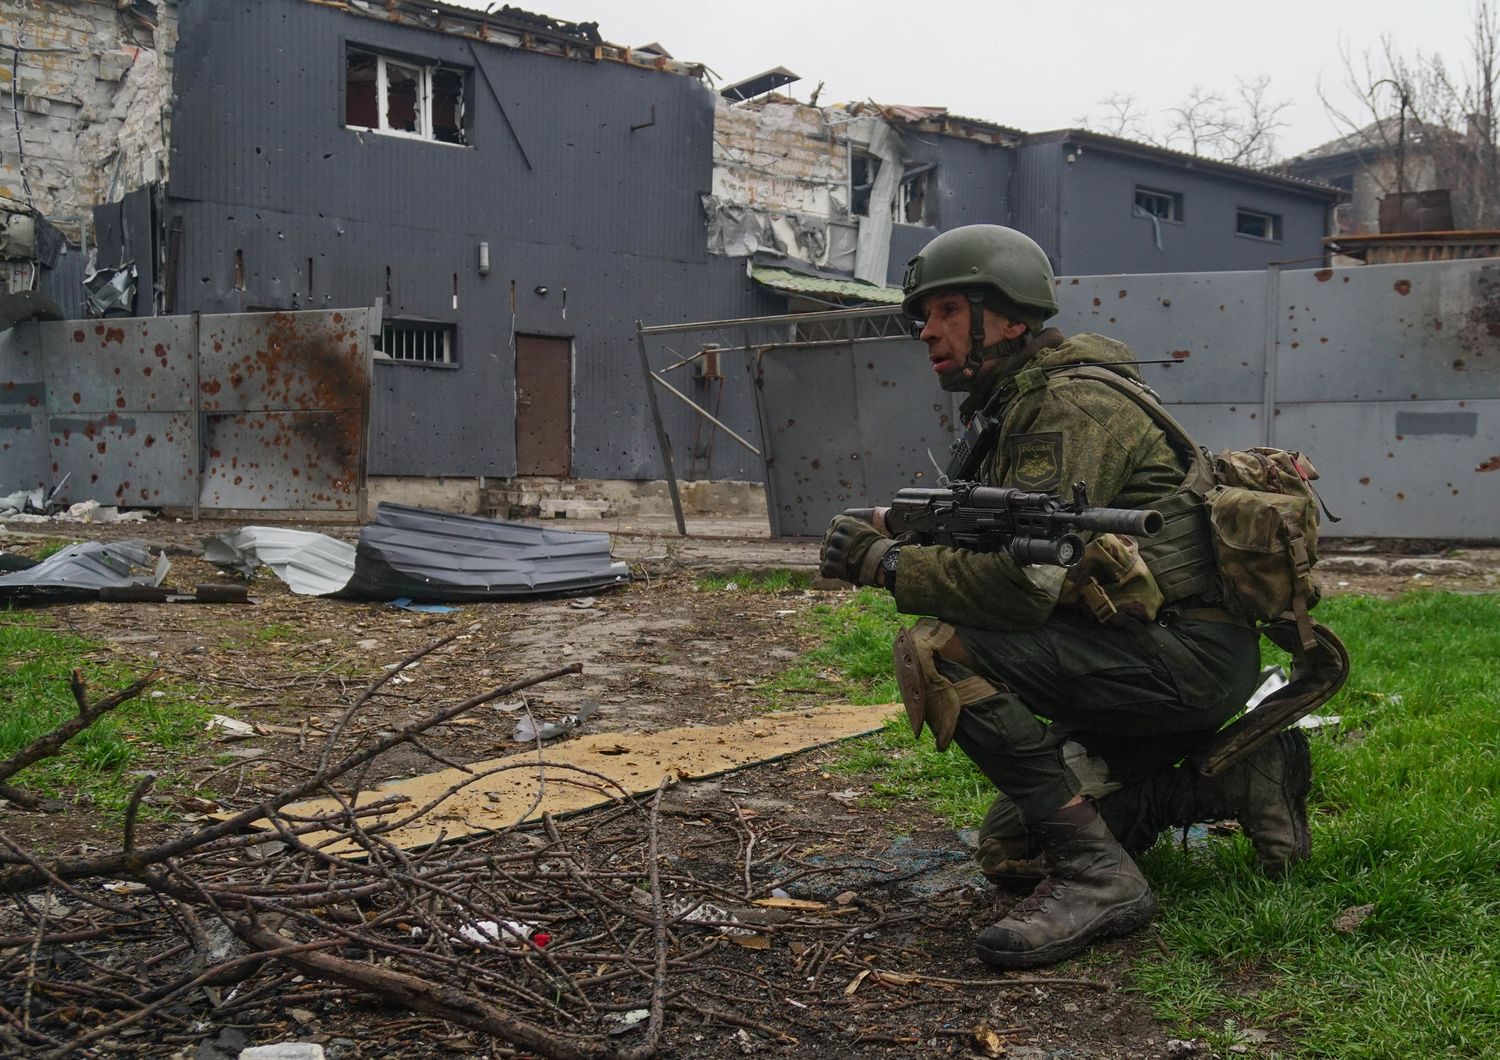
(888, 567)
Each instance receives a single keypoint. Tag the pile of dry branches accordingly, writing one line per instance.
(571, 938)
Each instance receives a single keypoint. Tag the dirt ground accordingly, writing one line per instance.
(659, 652)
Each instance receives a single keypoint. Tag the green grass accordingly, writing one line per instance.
(275, 631)
(768, 580)
(1406, 801)
(853, 660)
(95, 765)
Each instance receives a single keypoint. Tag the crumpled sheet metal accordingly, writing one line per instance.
(79, 571)
(425, 556)
(310, 564)
(442, 557)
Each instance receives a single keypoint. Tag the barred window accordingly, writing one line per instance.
(417, 342)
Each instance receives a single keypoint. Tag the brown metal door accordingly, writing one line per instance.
(544, 387)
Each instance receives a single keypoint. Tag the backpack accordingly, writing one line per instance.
(1262, 513)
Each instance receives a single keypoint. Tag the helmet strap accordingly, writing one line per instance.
(976, 335)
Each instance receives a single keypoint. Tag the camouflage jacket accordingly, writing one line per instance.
(1055, 431)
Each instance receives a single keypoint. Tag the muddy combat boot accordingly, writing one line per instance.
(1092, 891)
(1011, 863)
(1265, 791)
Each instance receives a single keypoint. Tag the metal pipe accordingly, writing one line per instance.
(1273, 331)
(662, 440)
(700, 410)
(785, 318)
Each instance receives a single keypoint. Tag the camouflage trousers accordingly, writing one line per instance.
(1088, 709)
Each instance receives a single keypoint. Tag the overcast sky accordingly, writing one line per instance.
(1038, 64)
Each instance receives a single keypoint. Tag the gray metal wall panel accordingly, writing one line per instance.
(119, 402)
(607, 220)
(64, 284)
(621, 190)
(1210, 326)
(24, 457)
(1384, 483)
(283, 461)
(1391, 332)
(114, 405)
(1036, 199)
(140, 459)
(284, 361)
(847, 428)
(1398, 467)
(123, 233)
(1100, 234)
(98, 367)
(969, 181)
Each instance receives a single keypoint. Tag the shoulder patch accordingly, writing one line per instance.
(1036, 460)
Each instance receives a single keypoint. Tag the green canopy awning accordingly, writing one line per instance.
(789, 282)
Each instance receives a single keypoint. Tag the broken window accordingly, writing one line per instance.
(911, 208)
(1163, 205)
(404, 97)
(863, 169)
(1257, 225)
(417, 342)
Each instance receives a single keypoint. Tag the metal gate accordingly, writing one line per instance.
(1388, 376)
(259, 411)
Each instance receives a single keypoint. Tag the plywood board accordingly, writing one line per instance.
(589, 770)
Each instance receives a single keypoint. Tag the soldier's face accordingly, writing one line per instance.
(946, 333)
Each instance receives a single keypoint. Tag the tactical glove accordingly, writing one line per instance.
(852, 551)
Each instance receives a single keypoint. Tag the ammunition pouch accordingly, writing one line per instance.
(930, 697)
(1181, 558)
(1112, 582)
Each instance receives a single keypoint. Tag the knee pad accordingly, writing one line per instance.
(930, 697)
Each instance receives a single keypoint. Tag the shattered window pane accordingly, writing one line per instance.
(406, 96)
(403, 94)
(914, 198)
(863, 170)
(361, 101)
(448, 105)
(1165, 205)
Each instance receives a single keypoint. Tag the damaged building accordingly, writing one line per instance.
(515, 193)
(860, 189)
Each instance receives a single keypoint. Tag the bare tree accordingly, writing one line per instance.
(1121, 115)
(1240, 128)
(1435, 124)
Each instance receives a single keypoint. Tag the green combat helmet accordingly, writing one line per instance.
(994, 266)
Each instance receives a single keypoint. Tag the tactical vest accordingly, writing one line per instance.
(1240, 532)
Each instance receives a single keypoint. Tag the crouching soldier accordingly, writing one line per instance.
(1076, 692)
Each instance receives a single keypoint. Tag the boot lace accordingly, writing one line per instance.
(1035, 902)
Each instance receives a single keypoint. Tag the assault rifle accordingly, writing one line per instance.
(1032, 527)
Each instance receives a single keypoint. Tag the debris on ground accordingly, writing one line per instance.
(414, 554)
(501, 793)
(80, 571)
(553, 939)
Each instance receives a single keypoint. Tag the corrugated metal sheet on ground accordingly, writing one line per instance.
(425, 555)
(310, 564)
(79, 571)
(797, 283)
(439, 556)
(503, 792)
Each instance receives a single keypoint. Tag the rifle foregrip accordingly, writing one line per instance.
(1137, 522)
(864, 515)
